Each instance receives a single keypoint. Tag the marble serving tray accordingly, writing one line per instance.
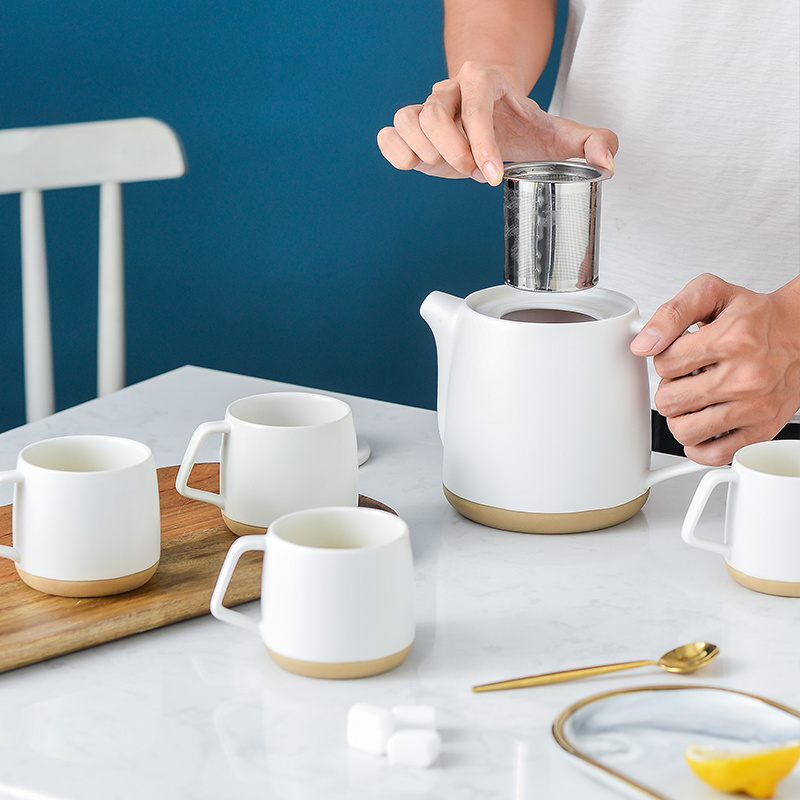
(635, 738)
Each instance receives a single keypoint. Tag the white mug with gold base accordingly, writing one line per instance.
(281, 452)
(337, 592)
(761, 544)
(85, 518)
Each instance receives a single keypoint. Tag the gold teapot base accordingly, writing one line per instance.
(764, 585)
(532, 522)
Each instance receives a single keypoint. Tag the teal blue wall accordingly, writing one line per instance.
(290, 250)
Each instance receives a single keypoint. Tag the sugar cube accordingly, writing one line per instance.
(369, 727)
(414, 747)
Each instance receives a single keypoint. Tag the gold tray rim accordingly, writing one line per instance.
(561, 720)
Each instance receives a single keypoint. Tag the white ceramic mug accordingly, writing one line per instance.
(337, 592)
(761, 543)
(281, 452)
(86, 517)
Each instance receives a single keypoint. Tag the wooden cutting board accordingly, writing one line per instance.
(194, 541)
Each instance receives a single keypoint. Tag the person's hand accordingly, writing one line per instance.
(472, 123)
(736, 379)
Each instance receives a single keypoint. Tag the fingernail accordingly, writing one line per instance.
(493, 173)
(478, 176)
(646, 340)
(610, 160)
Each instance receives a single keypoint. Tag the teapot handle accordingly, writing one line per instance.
(685, 467)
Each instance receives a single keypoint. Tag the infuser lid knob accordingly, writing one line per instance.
(552, 214)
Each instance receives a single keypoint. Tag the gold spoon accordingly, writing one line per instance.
(687, 658)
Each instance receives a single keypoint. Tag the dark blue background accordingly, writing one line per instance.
(291, 250)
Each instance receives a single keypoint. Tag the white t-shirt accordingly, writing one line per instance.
(705, 99)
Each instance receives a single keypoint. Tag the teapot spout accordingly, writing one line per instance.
(440, 310)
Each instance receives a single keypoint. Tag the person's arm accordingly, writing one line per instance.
(735, 380)
(515, 36)
(481, 116)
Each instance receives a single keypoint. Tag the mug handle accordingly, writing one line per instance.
(704, 489)
(237, 549)
(190, 456)
(10, 476)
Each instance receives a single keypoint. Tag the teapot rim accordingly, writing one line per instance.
(600, 304)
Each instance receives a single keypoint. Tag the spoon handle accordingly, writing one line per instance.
(558, 677)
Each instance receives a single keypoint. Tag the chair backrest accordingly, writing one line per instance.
(105, 154)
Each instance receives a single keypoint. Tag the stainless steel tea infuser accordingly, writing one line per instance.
(552, 214)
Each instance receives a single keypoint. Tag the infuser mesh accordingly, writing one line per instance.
(551, 211)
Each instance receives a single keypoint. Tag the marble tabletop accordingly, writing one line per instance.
(198, 710)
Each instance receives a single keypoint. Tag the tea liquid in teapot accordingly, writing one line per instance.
(547, 315)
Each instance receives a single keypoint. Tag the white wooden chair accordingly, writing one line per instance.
(104, 154)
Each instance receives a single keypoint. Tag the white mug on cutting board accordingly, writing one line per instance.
(280, 452)
(85, 517)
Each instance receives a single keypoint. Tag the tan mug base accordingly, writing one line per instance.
(531, 522)
(99, 588)
(241, 528)
(344, 669)
(780, 588)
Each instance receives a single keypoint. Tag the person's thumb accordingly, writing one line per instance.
(600, 148)
(699, 301)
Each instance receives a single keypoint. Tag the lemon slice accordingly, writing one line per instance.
(754, 771)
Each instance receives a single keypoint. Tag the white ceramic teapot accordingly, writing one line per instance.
(544, 412)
